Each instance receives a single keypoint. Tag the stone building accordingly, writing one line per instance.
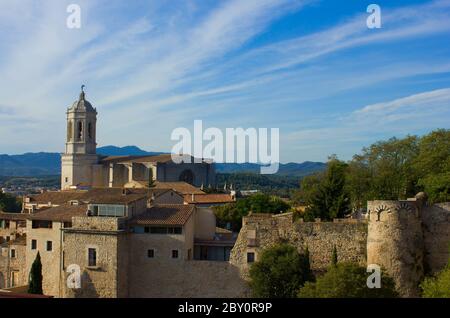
(407, 239)
(82, 167)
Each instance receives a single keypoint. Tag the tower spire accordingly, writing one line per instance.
(82, 94)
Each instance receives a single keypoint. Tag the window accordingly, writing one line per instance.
(250, 257)
(36, 224)
(67, 179)
(13, 253)
(90, 131)
(33, 244)
(174, 253)
(92, 257)
(158, 230)
(151, 253)
(49, 246)
(80, 131)
(174, 230)
(108, 210)
(163, 230)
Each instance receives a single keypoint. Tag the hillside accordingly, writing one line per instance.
(45, 163)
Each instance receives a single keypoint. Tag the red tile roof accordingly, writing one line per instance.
(62, 213)
(209, 198)
(165, 214)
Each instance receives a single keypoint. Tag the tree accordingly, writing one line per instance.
(432, 165)
(9, 203)
(334, 256)
(280, 272)
(437, 286)
(35, 278)
(346, 280)
(259, 203)
(330, 199)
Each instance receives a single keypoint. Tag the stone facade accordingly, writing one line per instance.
(408, 239)
(82, 167)
(262, 231)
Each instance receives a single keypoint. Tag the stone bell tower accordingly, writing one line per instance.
(80, 154)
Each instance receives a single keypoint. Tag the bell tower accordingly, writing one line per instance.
(80, 154)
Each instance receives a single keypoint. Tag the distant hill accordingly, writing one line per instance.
(45, 163)
(288, 169)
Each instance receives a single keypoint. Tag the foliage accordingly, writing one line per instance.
(35, 278)
(282, 186)
(329, 198)
(280, 272)
(437, 286)
(334, 256)
(346, 280)
(259, 203)
(9, 203)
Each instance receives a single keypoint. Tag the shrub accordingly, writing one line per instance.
(280, 272)
(347, 280)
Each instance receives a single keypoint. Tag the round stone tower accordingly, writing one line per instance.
(395, 242)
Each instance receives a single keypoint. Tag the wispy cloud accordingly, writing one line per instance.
(152, 66)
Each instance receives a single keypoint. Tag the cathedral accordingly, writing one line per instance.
(82, 167)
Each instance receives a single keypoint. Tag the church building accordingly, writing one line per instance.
(82, 167)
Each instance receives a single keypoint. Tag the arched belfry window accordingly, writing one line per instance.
(69, 131)
(80, 131)
(90, 131)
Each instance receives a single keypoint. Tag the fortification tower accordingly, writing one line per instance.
(395, 242)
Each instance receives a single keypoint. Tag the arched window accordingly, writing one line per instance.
(90, 131)
(69, 131)
(80, 131)
(187, 176)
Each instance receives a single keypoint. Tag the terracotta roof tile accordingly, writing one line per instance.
(165, 214)
(13, 216)
(180, 186)
(209, 198)
(62, 213)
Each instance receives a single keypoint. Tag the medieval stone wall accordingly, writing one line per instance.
(262, 231)
(436, 234)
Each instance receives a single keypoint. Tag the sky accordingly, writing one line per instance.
(311, 68)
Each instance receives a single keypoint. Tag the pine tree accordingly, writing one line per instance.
(35, 278)
(334, 257)
(309, 276)
(330, 199)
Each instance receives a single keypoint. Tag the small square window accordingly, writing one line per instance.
(49, 246)
(151, 253)
(250, 257)
(174, 253)
(33, 244)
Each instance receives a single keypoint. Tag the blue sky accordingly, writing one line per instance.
(311, 68)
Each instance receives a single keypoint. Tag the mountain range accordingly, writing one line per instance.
(47, 163)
